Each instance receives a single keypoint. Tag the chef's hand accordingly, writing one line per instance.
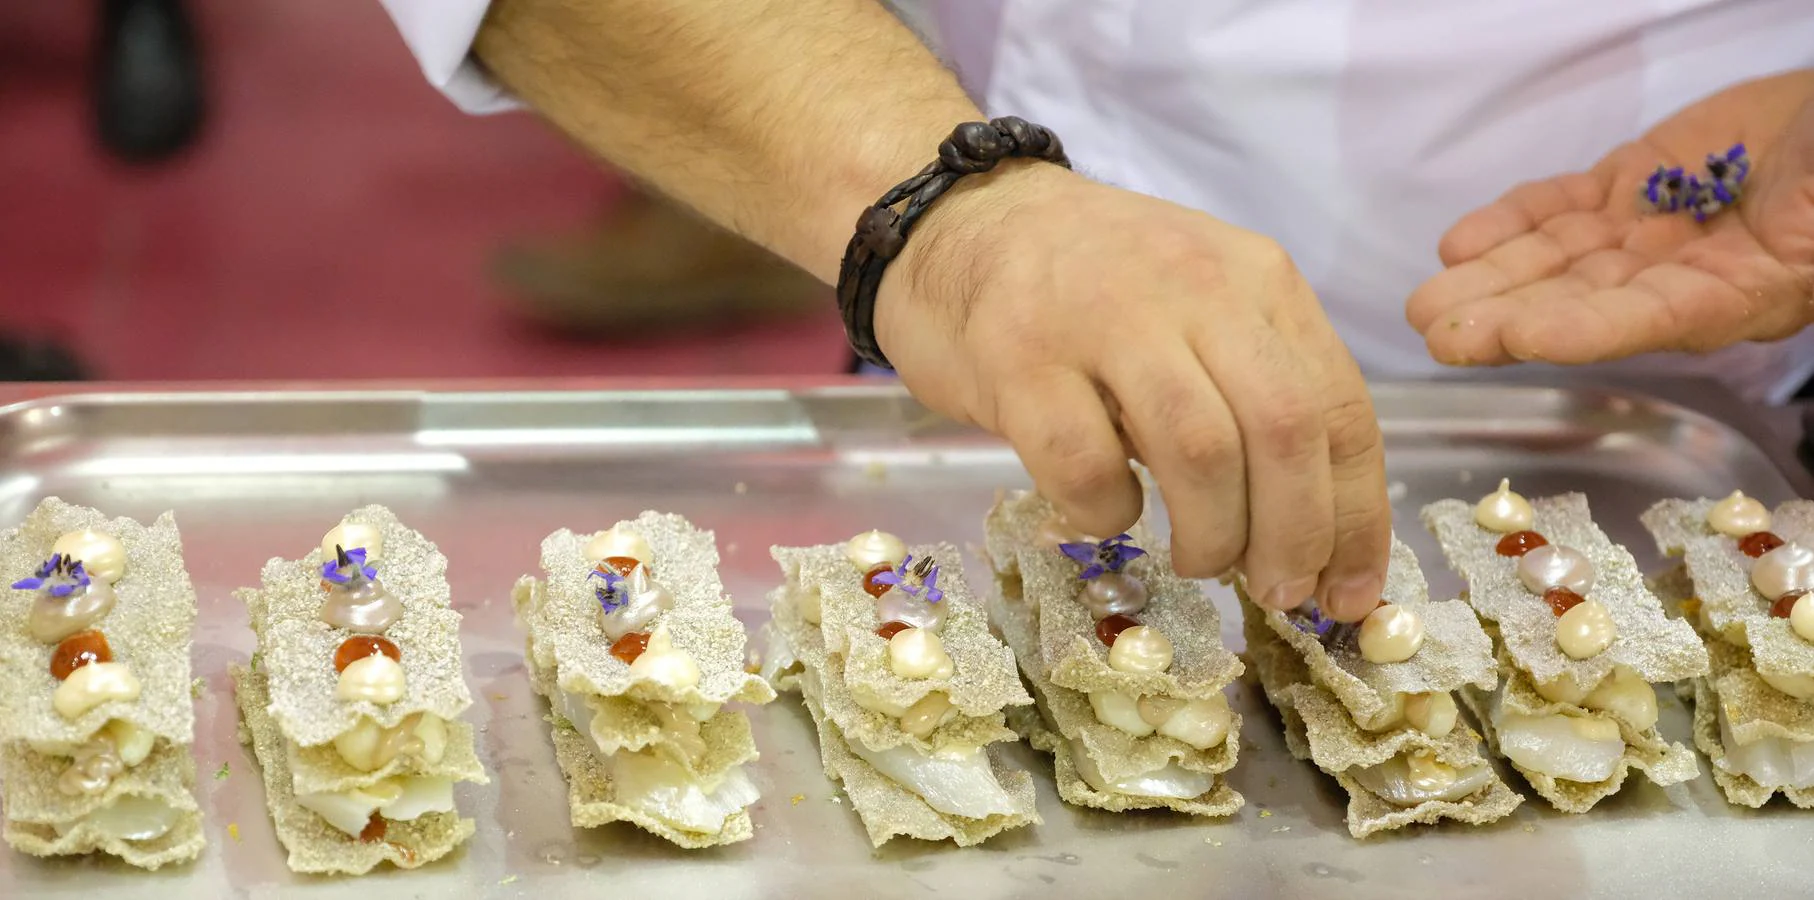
(1088, 325)
(1568, 271)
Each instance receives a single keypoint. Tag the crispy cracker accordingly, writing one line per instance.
(1074, 658)
(1739, 789)
(562, 613)
(1752, 707)
(1665, 763)
(1722, 579)
(1648, 642)
(727, 737)
(857, 723)
(1219, 802)
(1455, 650)
(591, 800)
(321, 768)
(985, 679)
(1321, 729)
(315, 846)
(148, 629)
(34, 805)
(888, 810)
(297, 648)
(1116, 753)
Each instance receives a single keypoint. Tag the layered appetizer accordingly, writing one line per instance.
(1580, 641)
(894, 660)
(631, 638)
(1126, 662)
(352, 702)
(1743, 584)
(1373, 704)
(96, 718)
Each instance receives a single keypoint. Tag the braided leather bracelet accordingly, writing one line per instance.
(882, 233)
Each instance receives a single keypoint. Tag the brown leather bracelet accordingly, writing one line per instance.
(882, 233)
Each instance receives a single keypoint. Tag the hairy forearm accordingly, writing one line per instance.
(780, 119)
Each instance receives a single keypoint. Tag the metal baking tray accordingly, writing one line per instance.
(487, 473)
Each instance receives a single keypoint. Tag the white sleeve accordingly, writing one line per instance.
(440, 34)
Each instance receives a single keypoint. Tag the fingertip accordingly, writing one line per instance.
(1108, 508)
(1351, 599)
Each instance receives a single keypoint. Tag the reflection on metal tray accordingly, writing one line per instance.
(487, 474)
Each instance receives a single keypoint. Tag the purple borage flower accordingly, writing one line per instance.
(1666, 188)
(347, 566)
(614, 594)
(1670, 190)
(59, 575)
(915, 579)
(1310, 620)
(1109, 556)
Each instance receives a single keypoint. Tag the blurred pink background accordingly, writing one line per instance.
(335, 219)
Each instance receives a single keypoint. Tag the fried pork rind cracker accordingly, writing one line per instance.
(1035, 605)
(1653, 646)
(1073, 657)
(841, 668)
(571, 665)
(1649, 643)
(149, 630)
(1339, 708)
(1732, 703)
(292, 717)
(1729, 605)
(314, 846)
(1062, 723)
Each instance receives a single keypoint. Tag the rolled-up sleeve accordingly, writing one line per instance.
(440, 33)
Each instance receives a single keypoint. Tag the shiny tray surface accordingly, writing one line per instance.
(487, 474)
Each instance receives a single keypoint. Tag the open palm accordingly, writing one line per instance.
(1570, 269)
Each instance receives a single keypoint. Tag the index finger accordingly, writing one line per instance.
(1522, 210)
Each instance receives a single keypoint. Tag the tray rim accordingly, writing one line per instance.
(1688, 398)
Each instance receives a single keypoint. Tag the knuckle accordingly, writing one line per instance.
(1081, 472)
(1203, 446)
(1353, 429)
(1208, 557)
(1288, 427)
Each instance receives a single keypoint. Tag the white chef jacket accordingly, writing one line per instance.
(1354, 132)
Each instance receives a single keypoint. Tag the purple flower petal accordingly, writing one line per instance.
(1084, 554)
(888, 577)
(1094, 571)
(28, 584)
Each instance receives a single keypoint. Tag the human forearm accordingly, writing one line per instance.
(780, 119)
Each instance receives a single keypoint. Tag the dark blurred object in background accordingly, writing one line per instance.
(651, 265)
(27, 360)
(148, 92)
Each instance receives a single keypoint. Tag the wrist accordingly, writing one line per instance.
(959, 242)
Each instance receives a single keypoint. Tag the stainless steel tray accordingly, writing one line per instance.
(488, 473)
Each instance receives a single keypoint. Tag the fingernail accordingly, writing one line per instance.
(1290, 595)
(1350, 600)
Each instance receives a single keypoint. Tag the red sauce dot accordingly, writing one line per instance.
(890, 629)
(78, 650)
(630, 646)
(358, 647)
(374, 830)
(1111, 627)
(870, 585)
(1784, 604)
(622, 565)
(1561, 599)
(1758, 543)
(1519, 543)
